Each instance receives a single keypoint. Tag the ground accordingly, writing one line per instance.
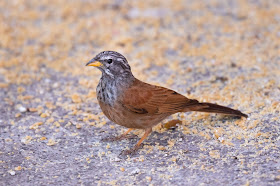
(225, 52)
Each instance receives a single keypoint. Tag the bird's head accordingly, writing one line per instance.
(111, 64)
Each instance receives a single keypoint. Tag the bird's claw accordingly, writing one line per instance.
(131, 151)
(117, 138)
(128, 152)
(110, 139)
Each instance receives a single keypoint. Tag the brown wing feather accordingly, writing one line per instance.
(149, 99)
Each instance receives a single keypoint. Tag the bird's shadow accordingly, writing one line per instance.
(159, 138)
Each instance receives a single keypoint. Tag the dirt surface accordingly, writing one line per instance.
(226, 52)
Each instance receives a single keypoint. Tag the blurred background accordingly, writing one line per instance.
(218, 51)
(226, 39)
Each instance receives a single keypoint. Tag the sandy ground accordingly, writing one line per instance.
(226, 52)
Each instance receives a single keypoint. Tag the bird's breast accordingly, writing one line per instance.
(106, 92)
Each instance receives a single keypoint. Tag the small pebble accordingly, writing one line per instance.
(135, 171)
(21, 108)
(149, 178)
(12, 172)
(115, 159)
(55, 85)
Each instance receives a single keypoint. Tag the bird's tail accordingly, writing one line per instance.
(214, 108)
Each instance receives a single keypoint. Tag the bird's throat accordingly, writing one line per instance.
(107, 91)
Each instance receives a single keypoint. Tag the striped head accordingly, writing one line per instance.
(111, 64)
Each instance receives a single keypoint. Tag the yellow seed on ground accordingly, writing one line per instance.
(149, 178)
(43, 115)
(36, 125)
(78, 126)
(215, 154)
(57, 124)
(32, 109)
(51, 142)
(18, 168)
(76, 98)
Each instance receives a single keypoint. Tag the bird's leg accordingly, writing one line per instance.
(120, 137)
(137, 146)
(146, 134)
(124, 135)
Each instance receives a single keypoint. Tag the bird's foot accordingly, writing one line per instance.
(111, 139)
(117, 138)
(132, 151)
(129, 152)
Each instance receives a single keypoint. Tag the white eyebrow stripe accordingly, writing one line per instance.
(105, 57)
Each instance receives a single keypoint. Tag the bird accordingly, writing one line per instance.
(134, 104)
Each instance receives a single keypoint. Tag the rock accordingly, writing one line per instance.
(21, 108)
(12, 172)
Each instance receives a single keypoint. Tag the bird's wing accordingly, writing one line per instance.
(143, 98)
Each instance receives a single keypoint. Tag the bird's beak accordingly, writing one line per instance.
(94, 63)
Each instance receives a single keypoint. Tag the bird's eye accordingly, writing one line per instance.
(109, 61)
